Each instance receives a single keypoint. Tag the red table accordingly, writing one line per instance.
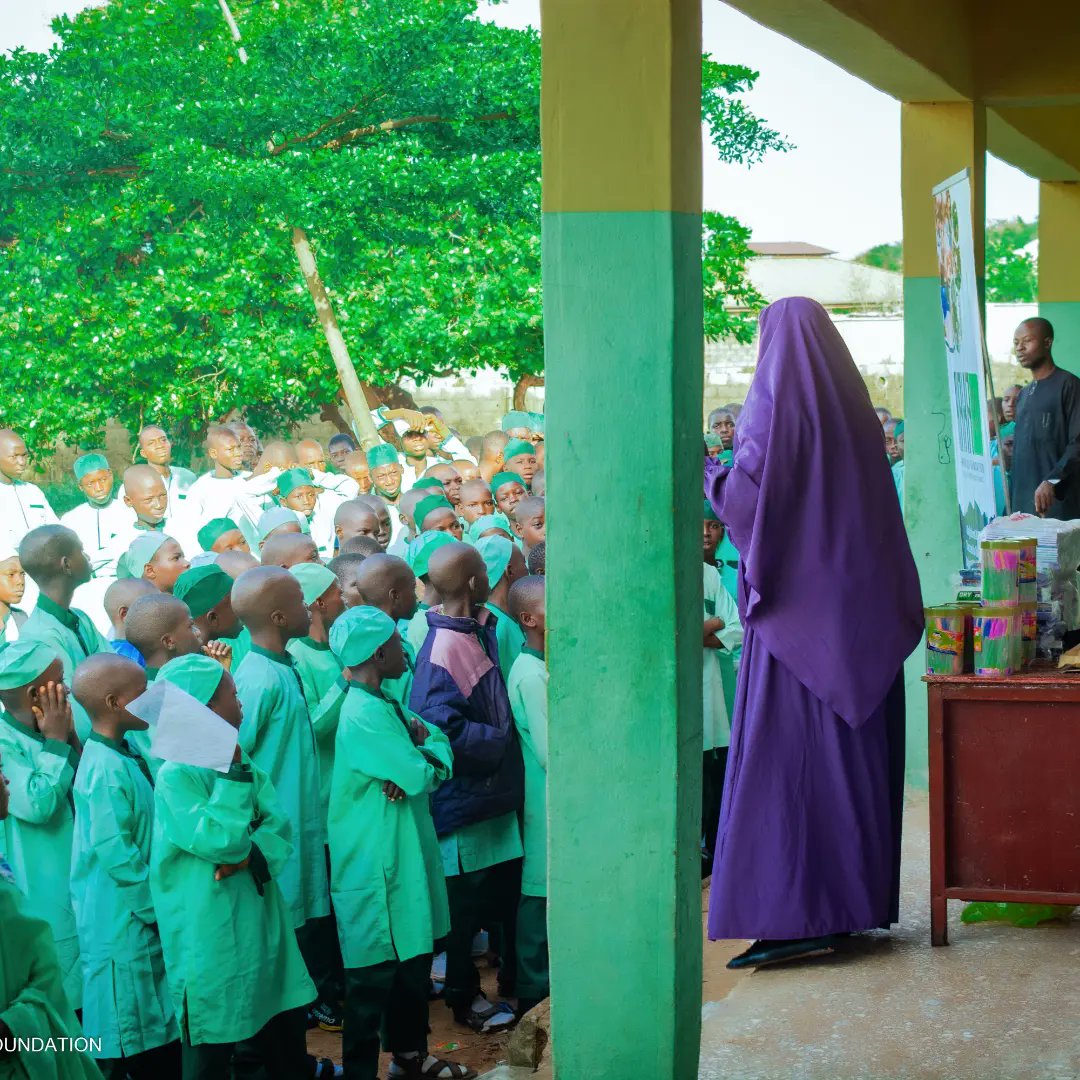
(1004, 790)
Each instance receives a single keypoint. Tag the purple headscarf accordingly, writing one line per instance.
(828, 581)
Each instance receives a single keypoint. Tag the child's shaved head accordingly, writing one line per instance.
(457, 572)
(120, 595)
(160, 627)
(386, 582)
(105, 681)
(50, 551)
(286, 549)
(526, 508)
(526, 596)
(270, 596)
(360, 546)
(235, 563)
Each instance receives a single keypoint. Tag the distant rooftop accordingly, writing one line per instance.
(789, 248)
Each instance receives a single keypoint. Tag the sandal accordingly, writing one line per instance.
(430, 1068)
(495, 1017)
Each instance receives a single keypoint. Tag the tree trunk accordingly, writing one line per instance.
(393, 396)
(350, 384)
(521, 386)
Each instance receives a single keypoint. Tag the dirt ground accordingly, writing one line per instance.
(484, 1052)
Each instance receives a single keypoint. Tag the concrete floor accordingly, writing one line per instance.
(998, 1003)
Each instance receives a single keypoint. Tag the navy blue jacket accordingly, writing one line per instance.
(458, 687)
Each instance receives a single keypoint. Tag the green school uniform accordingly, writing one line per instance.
(481, 844)
(400, 688)
(389, 892)
(37, 835)
(718, 663)
(417, 630)
(324, 692)
(276, 733)
(72, 634)
(230, 950)
(126, 1002)
(241, 646)
(508, 637)
(727, 562)
(527, 687)
(32, 1000)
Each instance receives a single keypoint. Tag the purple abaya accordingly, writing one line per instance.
(809, 838)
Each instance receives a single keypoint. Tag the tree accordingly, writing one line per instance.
(146, 269)
(886, 256)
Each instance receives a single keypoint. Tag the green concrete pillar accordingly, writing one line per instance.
(1059, 267)
(937, 140)
(623, 356)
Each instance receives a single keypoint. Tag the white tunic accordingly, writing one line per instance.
(720, 605)
(23, 507)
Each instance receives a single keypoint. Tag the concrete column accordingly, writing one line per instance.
(623, 338)
(1059, 267)
(937, 140)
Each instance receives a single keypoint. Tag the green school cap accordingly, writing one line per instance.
(273, 519)
(710, 513)
(133, 562)
(428, 506)
(429, 482)
(536, 422)
(382, 454)
(358, 633)
(291, 479)
(515, 419)
(90, 463)
(202, 588)
(516, 447)
(214, 530)
(501, 478)
(195, 674)
(1003, 432)
(713, 441)
(314, 580)
(489, 521)
(24, 661)
(419, 550)
(496, 551)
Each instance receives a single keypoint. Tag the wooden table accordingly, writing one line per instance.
(1004, 791)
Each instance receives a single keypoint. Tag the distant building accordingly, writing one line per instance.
(795, 268)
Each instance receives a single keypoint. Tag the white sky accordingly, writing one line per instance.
(839, 188)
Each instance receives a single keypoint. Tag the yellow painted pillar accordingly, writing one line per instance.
(1059, 267)
(937, 141)
(621, 127)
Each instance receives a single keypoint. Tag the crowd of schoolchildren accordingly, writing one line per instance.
(372, 626)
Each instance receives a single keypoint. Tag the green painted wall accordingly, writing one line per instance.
(622, 322)
(1065, 315)
(930, 507)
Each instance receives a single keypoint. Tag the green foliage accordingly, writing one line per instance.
(724, 258)
(1011, 272)
(885, 256)
(151, 182)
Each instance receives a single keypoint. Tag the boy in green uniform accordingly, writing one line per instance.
(207, 591)
(222, 534)
(157, 558)
(435, 514)
(388, 888)
(345, 568)
(527, 689)
(386, 471)
(32, 1000)
(119, 597)
(528, 522)
(54, 558)
(519, 457)
(40, 753)
(324, 691)
(508, 490)
(418, 556)
(126, 1002)
(276, 731)
(505, 564)
(489, 525)
(287, 549)
(387, 529)
(355, 517)
(220, 842)
(476, 501)
(386, 582)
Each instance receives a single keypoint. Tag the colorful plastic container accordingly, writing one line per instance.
(947, 637)
(1001, 572)
(995, 640)
(1029, 630)
(1027, 572)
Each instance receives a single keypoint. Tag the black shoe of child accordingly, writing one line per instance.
(327, 1016)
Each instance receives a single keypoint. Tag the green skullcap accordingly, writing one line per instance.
(202, 588)
(419, 551)
(427, 506)
(195, 674)
(90, 463)
(496, 551)
(516, 447)
(214, 530)
(275, 518)
(133, 562)
(536, 422)
(710, 513)
(291, 479)
(501, 478)
(515, 419)
(713, 441)
(24, 661)
(488, 521)
(898, 428)
(358, 633)
(383, 454)
(1003, 432)
(428, 482)
(314, 580)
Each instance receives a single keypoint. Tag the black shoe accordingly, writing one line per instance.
(327, 1016)
(763, 953)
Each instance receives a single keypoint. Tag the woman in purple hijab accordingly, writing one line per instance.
(809, 840)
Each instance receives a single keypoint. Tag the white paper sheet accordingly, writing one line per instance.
(183, 729)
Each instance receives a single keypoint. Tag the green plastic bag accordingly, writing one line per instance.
(1025, 915)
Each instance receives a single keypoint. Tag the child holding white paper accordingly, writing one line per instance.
(220, 840)
(126, 1002)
